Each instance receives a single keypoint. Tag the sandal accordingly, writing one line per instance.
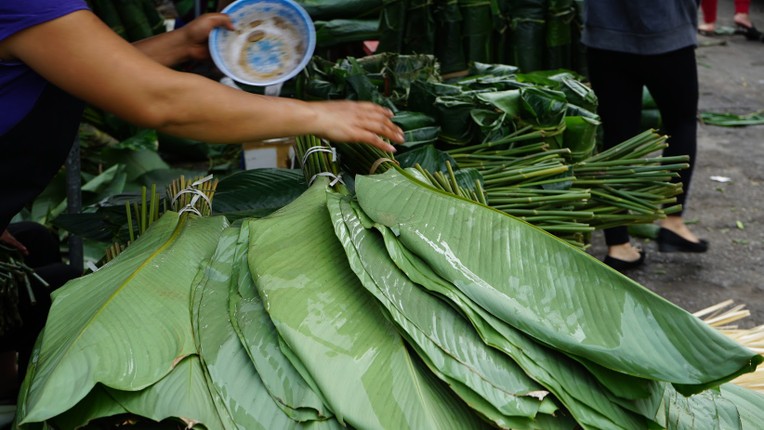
(750, 33)
(708, 31)
(623, 265)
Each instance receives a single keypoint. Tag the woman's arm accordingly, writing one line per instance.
(186, 43)
(84, 57)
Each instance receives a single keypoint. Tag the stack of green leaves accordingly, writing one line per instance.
(416, 309)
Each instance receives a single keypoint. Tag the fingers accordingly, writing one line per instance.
(374, 140)
(358, 122)
(215, 19)
(377, 120)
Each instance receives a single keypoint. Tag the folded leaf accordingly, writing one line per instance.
(261, 341)
(587, 400)
(126, 325)
(230, 372)
(557, 294)
(487, 380)
(335, 328)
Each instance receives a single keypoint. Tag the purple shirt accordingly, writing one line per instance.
(20, 86)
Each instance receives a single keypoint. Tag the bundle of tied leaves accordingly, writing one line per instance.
(527, 140)
(398, 306)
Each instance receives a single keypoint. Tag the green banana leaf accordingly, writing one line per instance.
(577, 93)
(408, 120)
(651, 118)
(420, 137)
(542, 107)
(338, 31)
(161, 178)
(477, 28)
(181, 395)
(419, 30)
(137, 162)
(96, 405)
(261, 341)
(505, 101)
(257, 192)
(92, 335)
(478, 68)
(585, 398)
(539, 284)
(230, 372)
(51, 203)
(703, 411)
(218, 403)
(110, 182)
(449, 46)
(559, 34)
(392, 21)
(647, 99)
(422, 97)
(331, 9)
(454, 115)
(335, 328)
(749, 404)
(732, 120)
(580, 136)
(527, 34)
(490, 382)
(427, 156)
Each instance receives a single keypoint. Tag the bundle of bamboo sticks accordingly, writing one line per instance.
(723, 317)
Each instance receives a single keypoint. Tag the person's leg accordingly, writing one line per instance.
(743, 23)
(742, 6)
(673, 82)
(709, 15)
(674, 86)
(617, 83)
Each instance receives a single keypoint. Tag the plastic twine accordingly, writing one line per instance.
(197, 194)
(335, 178)
(314, 149)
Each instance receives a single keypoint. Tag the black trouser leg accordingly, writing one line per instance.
(674, 87)
(672, 79)
(619, 92)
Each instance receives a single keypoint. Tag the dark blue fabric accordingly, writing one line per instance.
(34, 150)
(20, 86)
(645, 27)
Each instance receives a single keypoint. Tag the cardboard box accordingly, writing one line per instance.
(271, 153)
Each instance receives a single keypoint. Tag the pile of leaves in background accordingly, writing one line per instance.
(529, 140)
(527, 143)
(419, 309)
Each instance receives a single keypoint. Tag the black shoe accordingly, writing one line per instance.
(668, 241)
(623, 265)
(750, 33)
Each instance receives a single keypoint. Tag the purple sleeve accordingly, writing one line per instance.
(17, 15)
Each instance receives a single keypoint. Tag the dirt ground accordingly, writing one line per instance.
(728, 214)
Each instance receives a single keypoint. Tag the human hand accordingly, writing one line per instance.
(8, 238)
(197, 33)
(357, 122)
